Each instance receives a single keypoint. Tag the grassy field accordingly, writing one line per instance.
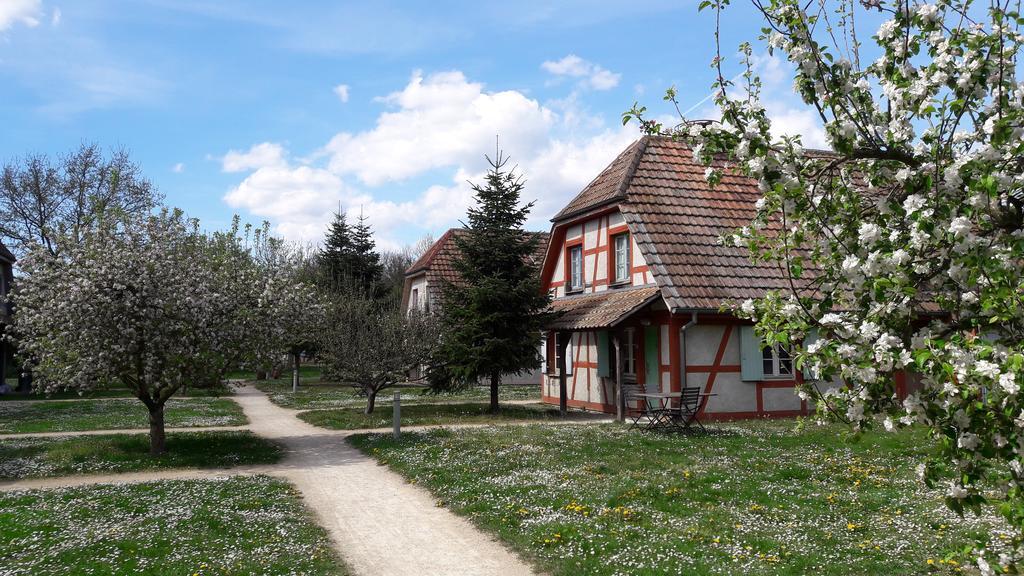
(759, 498)
(37, 457)
(234, 526)
(112, 392)
(114, 414)
(316, 394)
(427, 414)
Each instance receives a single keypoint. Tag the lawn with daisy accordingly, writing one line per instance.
(227, 526)
(764, 497)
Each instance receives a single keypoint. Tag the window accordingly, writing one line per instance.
(620, 257)
(576, 268)
(568, 352)
(415, 298)
(777, 362)
(629, 353)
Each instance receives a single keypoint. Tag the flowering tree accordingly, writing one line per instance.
(373, 346)
(143, 301)
(291, 315)
(904, 247)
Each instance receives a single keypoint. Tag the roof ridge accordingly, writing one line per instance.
(634, 151)
(424, 261)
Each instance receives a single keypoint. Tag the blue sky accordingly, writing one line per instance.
(282, 111)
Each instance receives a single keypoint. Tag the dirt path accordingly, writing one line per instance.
(382, 525)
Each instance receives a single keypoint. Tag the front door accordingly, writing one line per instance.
(652, 363)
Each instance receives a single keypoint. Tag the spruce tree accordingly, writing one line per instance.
(493, 318)
(335, 257)
(366, 267)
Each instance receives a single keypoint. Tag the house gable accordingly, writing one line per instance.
(676, 220)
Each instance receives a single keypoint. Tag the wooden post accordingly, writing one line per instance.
(563, 401)
(619, 400)
(396, 417)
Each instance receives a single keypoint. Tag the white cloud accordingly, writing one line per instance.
(793, 119)
(19, 11)
(55, 17)
(593, 75)
(341, 90)
(439, 120)
(432, 138)
(298, 200)
(178, 168)
(259, 156)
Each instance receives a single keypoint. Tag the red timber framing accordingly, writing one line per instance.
(559, 247)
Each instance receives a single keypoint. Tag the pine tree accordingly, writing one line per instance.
(366, 266)
(493, 318)
(335, 258)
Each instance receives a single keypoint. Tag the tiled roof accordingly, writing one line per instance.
(610, 184)
(602, 309)
(677, 219)
(438, 262)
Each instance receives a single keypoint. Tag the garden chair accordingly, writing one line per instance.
(642, 408)
(690, 401)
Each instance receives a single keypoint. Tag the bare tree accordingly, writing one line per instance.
(52, 202)
(396, 262)
(373, 346)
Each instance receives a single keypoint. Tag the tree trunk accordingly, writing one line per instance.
(296, 360)
(157, 437)
(371, 401)
(495, 381)
(261, 375)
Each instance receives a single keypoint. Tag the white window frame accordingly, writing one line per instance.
(622, 257)
(629, 357)
(568, 353)
(776, 363)
(576, 268)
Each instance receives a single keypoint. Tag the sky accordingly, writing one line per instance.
(286, 111)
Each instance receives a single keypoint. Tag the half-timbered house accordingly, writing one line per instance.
(426, 278)
(638, 272)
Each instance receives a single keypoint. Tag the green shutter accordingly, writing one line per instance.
(812, 337)
(751, 366)
(651, 356)
(603, 368)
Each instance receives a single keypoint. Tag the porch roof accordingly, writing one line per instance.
(601, 310)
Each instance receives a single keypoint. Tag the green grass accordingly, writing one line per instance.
(427, 414)
(106, 392)
(759, 499)
(315, 393)
(115, 414)
(233, 526)
(38, 457)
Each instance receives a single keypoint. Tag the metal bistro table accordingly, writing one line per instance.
(679, 418)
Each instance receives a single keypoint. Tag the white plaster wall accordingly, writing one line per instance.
(780, 399)
(702, 345)
(418, 283)
(733, 395)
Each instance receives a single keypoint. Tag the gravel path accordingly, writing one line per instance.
(382, 525)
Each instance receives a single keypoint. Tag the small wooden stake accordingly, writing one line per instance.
(396, 419)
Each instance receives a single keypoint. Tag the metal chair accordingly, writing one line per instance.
(644, 408)
(689, 406)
